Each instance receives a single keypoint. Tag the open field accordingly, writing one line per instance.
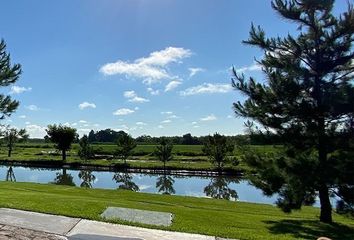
(196, 215)
(186, 157)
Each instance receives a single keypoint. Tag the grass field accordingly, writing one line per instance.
(196, 215)
(186, 157)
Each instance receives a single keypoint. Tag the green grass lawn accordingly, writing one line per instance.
(196, 215)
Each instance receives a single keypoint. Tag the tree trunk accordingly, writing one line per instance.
(9, 152)
(63, 153)
(326, 208)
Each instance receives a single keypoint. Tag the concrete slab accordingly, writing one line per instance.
(138, 216)
(37, 221)
(93, 230)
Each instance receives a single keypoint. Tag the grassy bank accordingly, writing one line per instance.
(196, 215)
(186, 157)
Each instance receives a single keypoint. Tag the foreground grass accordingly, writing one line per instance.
(196, 215)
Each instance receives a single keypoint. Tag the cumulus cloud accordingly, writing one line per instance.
(172, 85)
(32, 107)
(35, 131)
(133, 97)
(140, 123)
(18, 89)
(166, 121)
(82, 121)
(86, 105)
(152, 91)
(167, 113)
(172, 116)
(251, 68)
(123, 111)
(150, 69)
(194, 71)
(211, 117)
(207, 88)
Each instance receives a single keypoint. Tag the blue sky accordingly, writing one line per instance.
(157, 67)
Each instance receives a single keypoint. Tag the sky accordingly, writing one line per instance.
(159, 67)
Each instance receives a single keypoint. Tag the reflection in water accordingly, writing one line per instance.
(64, 179)
(87, 178)
(10, 175)
(164, 184)
(127, 181)
(149, 183)
(219, 188)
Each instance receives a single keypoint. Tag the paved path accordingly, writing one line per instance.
(35, 226)
(16, 233)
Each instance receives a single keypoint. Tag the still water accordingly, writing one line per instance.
(225, 187)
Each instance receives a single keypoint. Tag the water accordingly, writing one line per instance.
(225, 187)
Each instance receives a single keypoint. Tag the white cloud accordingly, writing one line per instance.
(123, 111)
(82, 121)
(152, 91)
(22, 116)
(209, 118)
(172, 85)
(32, 107)
(194, 71)
(35, 131)
(194, 123)
(167, 112)
(129, 94)
(151, 69)
(160, 126)
(166, 121)
(229, 116)
(251, 68)
(172, 116)
(195, 126)
(133, 97)
(27, 123)
(141, 123)
(207, 88)
(18, 90)
(86, 105)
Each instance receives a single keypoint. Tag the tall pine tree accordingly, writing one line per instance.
(308, 100)
(9, 74)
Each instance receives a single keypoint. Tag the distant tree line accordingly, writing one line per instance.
(111, 136)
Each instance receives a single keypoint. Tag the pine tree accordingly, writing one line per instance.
(308, 100)
(8, 75)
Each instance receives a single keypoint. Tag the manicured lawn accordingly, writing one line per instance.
(197, 215)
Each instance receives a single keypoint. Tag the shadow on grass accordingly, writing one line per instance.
(308, 229)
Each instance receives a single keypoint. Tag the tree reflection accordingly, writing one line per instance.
(164, 184)
(87, 178)
(64, 179)
(126, 180)
(219, 188)
(10, 175)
